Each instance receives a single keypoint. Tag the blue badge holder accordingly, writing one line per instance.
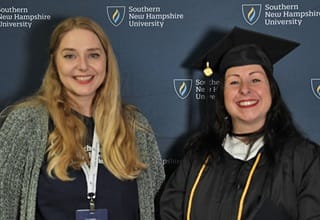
(97, 214)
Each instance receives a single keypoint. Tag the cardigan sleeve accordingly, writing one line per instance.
(11, 164)
(151, 179)
(19, 136)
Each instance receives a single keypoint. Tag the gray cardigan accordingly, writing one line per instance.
(23, 140)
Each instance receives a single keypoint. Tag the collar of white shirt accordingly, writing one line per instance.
(239, 150)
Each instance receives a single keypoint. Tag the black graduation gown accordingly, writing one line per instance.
(290, 191)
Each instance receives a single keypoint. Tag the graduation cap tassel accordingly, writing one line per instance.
(207, 71)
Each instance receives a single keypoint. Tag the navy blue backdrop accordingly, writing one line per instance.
(156, 42)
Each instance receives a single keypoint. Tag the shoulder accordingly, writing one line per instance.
(302, 153)
(26, 112)
(302, 147)
(141, 118)
(192, 160)
(22, 115)
(137, 119)
(143, 129)
(198, 157)
(307, 149)
(144, 135)
(24, 129)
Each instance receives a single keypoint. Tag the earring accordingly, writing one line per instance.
(207, 71)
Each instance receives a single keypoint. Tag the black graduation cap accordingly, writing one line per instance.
(242, 47)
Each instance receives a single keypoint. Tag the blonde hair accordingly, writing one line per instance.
(114, 122)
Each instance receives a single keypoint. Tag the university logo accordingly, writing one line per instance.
(116, 14)
(251, 13)
(315, 85)
(182, 87)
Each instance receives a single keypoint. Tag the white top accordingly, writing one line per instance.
(240, 150)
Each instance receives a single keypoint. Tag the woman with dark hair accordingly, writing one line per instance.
(253, 162)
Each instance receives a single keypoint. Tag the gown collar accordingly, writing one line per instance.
(239, 150)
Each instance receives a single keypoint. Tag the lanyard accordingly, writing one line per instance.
(92, 171)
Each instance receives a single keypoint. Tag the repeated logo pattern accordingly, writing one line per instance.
(182, 87)
(116, 14)
(315, 86)
(251, 13)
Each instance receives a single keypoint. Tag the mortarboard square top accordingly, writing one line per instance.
(242, 47)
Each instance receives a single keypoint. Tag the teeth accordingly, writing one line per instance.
(247, 103)
(83, 78)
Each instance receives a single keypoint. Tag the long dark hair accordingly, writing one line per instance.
(279, 125)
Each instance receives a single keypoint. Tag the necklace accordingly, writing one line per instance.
(256, 133)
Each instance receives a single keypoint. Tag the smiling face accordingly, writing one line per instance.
(247, 97)
(81, 65)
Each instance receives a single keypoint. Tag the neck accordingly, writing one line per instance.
(240, 128)
(84, 112)
(247, 134)
(82, 106)
(248, 137)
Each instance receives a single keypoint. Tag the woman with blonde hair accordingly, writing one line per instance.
(74, 150)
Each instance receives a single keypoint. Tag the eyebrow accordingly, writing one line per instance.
(73, 49)
(250, 73)
(256, 71)
(93, 49)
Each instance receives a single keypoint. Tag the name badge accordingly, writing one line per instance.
(97, 214)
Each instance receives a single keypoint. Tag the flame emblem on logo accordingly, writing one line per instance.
(315, 86)
(251, 13)
(182, 87)
(116, 14)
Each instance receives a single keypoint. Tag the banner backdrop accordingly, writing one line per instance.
(156, 43)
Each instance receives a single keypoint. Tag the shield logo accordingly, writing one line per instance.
(116, 14)
(182, 87)
(251, 13)
(315, 85)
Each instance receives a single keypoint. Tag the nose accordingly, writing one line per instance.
(244, 88)
(83, 63)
